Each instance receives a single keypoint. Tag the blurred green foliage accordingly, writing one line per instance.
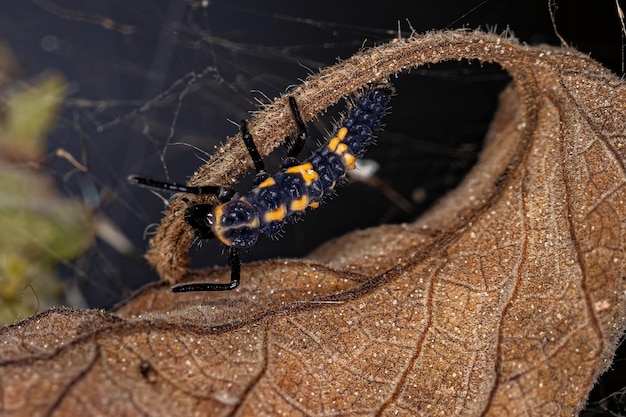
(38, 228)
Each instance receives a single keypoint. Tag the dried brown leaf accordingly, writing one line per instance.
(507, 298)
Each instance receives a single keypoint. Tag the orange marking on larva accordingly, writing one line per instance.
(297, 169)
(305, 170)
(299, 204)
(275, 215)
(314, 204)
(341, 149)
(342, 133)
(309, 177)
(218, 230)
(267, 183)
(348, 160)
(334, 142)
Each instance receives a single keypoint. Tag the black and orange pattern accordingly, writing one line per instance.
(265, 208)
(241, 218)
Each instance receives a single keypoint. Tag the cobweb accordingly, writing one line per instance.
(156, 85)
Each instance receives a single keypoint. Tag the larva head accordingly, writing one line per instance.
(200, 218)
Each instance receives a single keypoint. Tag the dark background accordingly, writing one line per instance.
(145, 73)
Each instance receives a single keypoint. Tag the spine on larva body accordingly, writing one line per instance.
(265, 208)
